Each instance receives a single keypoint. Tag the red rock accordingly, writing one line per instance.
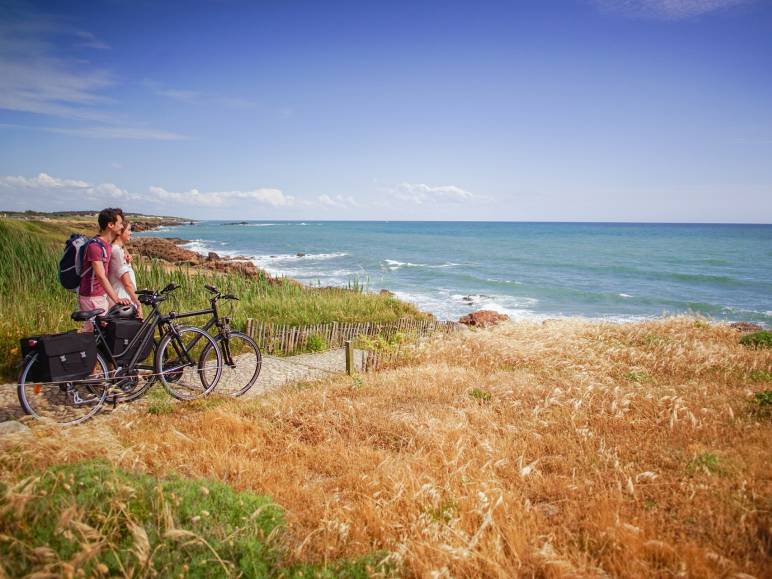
(745, 327)
(483, 319)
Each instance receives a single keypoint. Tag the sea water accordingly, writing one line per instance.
(618, 271)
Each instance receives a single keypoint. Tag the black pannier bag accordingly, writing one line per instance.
(61, 357)
(120, 333)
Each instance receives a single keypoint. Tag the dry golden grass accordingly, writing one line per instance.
(567, 448)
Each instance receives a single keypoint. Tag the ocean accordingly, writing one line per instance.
(616, 271)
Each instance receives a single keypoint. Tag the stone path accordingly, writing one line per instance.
(274, 373)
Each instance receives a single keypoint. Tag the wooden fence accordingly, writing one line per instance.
(284, 339)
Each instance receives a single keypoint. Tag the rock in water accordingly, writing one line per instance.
(483, 319)
(212, 256)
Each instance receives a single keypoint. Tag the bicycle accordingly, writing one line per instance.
(179, 363)
(242, 359)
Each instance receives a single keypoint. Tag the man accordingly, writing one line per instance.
(94, 286)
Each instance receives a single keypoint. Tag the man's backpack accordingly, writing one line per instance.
(71, 264)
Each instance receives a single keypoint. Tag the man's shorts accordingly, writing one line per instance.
(92, 303)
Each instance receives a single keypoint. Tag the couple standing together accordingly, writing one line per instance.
(108, 277)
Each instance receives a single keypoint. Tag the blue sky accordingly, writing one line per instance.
(630, 110)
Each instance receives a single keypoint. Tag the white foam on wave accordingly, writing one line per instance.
(624, 295)
(491, 300)
(449, 306)
(204, 246)
(259, 224)
(293, 258)
(393, 264)
(287, 265)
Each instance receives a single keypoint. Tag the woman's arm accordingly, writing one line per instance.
(131, 290)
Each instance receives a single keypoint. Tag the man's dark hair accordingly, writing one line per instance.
(107, 216)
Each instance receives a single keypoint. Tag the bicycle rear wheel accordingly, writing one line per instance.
(241, 364)
(184, 358)
(64, 403)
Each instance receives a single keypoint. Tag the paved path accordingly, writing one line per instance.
(275, 372)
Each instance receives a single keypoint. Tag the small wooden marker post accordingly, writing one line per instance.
(349, 358)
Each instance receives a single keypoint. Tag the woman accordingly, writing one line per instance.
(120, 273)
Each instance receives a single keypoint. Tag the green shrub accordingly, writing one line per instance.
(762, 339)
(637, 376)
(160, 402)
(706, 462)
(761, 404)
(761, 376)
(137, 525)
(480, 395)
(316, 343)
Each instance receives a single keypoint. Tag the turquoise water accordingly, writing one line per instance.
(526, 270)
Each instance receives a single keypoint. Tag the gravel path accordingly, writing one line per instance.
(275, 372)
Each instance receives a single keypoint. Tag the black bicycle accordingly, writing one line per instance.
(68, 377)
(242, 360)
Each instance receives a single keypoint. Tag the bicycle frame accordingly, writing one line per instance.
(215, 320)
(140, 341)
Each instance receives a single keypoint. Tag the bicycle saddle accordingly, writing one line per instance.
(84, 315)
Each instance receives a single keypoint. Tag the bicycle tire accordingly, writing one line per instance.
(59, 402)
(236, 379)
(184, 379)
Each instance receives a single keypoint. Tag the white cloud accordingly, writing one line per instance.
(118, 132)
(114, 132)
(265, 196)
(420, 193)
(45, 191)
(665, 9)
(192, 97)
(88, 40)
(38, 76)
(44, 187)
(340, 201)
(42, 181)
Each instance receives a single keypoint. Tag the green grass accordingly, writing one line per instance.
(106, 521)
(159, 401)
(637, 376)
(706, 462)
(33, 302)
(762, 339)
(761, 404)
(761, 376)
(480, 395)
(316, 343)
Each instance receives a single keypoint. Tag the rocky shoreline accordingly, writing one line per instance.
(169, 250)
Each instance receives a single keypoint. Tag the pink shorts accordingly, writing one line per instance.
(92, 303)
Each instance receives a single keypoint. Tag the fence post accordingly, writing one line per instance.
(349, 358)
(250, 323)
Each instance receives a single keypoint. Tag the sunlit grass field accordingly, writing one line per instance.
(32, 301)
(564, 449)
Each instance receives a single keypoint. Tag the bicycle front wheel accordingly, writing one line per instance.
(188, 363)
(65, 403)
(241, 364)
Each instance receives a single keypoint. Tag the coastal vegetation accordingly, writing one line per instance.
(33, 301)
(760, 339)
(564, 448)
